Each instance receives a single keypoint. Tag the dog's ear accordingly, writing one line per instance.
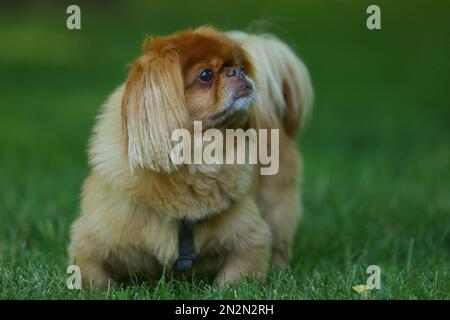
(153, 106)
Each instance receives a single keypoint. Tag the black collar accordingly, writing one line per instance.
(185, 246)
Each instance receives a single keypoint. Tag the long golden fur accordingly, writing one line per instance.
(135, 195)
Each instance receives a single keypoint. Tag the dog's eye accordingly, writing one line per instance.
(206, 75)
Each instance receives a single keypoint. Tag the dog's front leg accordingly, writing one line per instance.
(250, 253)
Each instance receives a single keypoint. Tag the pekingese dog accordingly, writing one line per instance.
(141, 213)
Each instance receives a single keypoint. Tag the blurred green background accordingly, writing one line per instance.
(377, 151)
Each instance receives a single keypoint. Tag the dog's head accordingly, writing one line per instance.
(191, 75)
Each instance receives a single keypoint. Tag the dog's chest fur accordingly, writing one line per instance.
(194, 192)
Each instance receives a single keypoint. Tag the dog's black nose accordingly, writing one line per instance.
(234, 71)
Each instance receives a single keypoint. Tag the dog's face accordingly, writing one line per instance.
(192, 75)
(217, 80)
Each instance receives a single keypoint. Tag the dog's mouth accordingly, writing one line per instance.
(238, 103)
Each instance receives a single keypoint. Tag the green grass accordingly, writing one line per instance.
(377, 151)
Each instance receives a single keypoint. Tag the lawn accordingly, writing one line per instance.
(377, 149)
